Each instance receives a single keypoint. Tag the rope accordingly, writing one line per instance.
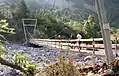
(55, 34)
(29, 33)
(58, 33)
(51, 36)
(42, 34)
(26, 35)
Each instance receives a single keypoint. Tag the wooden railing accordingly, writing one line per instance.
(68, 44)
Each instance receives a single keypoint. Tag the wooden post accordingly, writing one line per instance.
(93, 42)
(93, 54)
(55, 44)
(116, 45)
(82, 46)
(51, 44)
(79, 45)
(68, 45)
(47, 44)
(61, 45)
(68, 49)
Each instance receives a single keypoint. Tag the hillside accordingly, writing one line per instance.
(111, 6)
(74, 13)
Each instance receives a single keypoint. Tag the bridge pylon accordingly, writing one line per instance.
(29, 27)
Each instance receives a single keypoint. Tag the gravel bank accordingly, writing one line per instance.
(40, 55)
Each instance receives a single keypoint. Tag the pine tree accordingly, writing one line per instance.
(23, 10)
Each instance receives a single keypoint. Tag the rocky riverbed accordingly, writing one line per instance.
(41, 56)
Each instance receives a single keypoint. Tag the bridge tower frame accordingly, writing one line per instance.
(28, 25)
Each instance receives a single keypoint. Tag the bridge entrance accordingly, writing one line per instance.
(29, 26)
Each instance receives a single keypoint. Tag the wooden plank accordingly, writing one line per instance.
(72, 40)
(65, 43)
(65, 40)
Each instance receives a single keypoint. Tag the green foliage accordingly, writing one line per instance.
(52, 22)
(18, 11)
(2, 50)
(92, 30)
(22, 60)
(4, 27)
(78, 26)
(49, 26)
(19, 59)
(23, 10)
(114, 32)
(89, 27)
(5, 11)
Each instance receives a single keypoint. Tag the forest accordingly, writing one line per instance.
(53, 21)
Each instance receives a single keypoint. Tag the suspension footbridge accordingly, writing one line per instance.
(68, 45)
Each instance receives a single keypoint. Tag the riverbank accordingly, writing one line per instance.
(43, 56)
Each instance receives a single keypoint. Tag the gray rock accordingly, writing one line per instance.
(38, 55)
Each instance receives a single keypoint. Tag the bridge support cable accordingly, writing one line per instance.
(51, 36)
(44, 37)
(58, 33)
(29, 33)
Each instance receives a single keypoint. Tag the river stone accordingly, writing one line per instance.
(41, 55)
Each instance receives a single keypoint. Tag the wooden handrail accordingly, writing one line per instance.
(72, 40)
(65, 40)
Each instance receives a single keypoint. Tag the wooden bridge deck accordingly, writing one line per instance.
(66, 45)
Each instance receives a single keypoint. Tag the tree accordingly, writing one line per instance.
(21, 12)
(77, 26)
(114, 32)
(49, 26)
(5, 29)
(20, 61)
(91, 29)
(5, 11)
